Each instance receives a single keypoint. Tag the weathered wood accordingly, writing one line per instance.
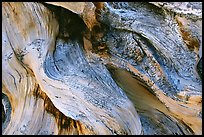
(103, 68)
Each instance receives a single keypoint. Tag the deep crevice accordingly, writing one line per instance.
(146, 103)
(71, 26)
(6, 111)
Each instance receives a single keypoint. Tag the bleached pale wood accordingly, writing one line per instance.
(140, 77)
(29, 32)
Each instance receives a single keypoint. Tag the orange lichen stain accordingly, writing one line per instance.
(194, 101)
(87, 44)
(190, 40)
(31, 25)
(187, 112)
(197, 99)
(65, 124)
(99, 5)
(184, 112)
(23, 21)
(102, 50)
(89, 16)
(15, 11)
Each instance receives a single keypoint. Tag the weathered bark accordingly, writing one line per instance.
(101, 68)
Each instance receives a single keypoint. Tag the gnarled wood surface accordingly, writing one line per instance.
(101, 68)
